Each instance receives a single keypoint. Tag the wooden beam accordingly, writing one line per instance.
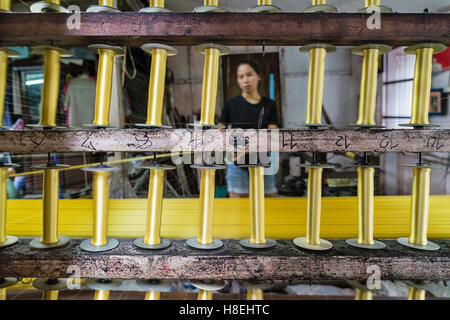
(177, 140)
(283, 262)
(188, 29)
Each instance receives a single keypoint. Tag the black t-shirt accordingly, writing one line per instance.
(241, 114)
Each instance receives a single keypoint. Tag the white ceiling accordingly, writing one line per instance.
(300, 5)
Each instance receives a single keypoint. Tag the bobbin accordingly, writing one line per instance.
(5, 54)
(10, 240)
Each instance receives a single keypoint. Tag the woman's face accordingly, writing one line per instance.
(247, 78)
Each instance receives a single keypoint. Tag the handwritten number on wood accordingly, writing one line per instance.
(290, 141)
(387, 141)
(343, 142)
(88, 144)
(434, 143)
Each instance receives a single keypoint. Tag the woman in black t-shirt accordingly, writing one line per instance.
(249, 110)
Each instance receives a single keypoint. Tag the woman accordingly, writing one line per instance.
(249, 110)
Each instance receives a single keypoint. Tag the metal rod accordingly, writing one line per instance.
(3, 201)
(315, 85)
(368, 90)
(255, 294)
(50, 199)
(314, 202)
(420, 199)
(369, 3)
(363, 294)
(153, 295)
(257, 234)
(101, 295)
(156, 86)
(204, 294)
(157, 3)
(209, 89)
(421, 86)
(211, 2)
(104, 86)
(207, 183)
(50, 295)
(50, 88)
(365, 204)
(416, 294)
(101, 203)
(154, 207)
(5, 5)
(3, 78)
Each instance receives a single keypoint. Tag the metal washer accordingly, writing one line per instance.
(42, 284)
(419, 126)
(210, 285)
(55, 166)
(9, 165)
(317, 165)
(96, 284)
(364, 126)
(44, 127)
(154, 9)
(323, 244)
(202, 126)
(354, 243)
(382, 47)
(99, 168)
(155, 285)
(119, 51)
(37, 244)
(383, 9)
(431, 246)
(87, 246)
(148, 47)
(216, 244)
(63, 52)
(98, 126)
(329, 48)
(10, 240)
(7, 282)
(264, 8)
(223, 50)
(268, 244)
(437, 47)
(165, 243)
(205, 9)
(214, 166)
(152, 126)
(320, 8)
(10, 53)
(257, 284)
(44, 6)
(100, 8)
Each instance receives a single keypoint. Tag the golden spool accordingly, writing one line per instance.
(420, 201)
(50, 295)
(257, 225)
(416, 294)
(206, 288)
(365, 192)
(369, 80)
(211, 2)
(152, 238)
(101, 295)
(157, 3)
(312, 240)
(318, 2)
(264, 2)
(369, 3)
(108, 3)
(152, 295)
(316, 73)
(5, 5)
(5, 240)
(50, 287)
(104, 82)
(255, 294)
(363, 294)
(50, 201)
(5, 53)
(157, 81)
(3, 294)
(204, 295)
(100, 195)
(422, 83)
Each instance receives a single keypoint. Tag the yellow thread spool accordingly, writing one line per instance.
(3, 75)
(101, 295)
(421, 86)
(211, 2)
(5, 5)
(108, 3)
(157, 3)
(264, 2)
(3, 200)
(315, 85)
(204, 294)
(101, 202)
(369, 3)
(368, 94)
(318, 2)
(207, 183)
(104, 87)
(209, 89)
(416, 294)
(50, 199)
(154, 208)
(50, 88)
(50, 295)
(156, 86)
(314, 196)
(3, 294)
(152, 295)
(256, 175)
(255, 294)
(363, 294)
(365, 205)
(420, 199)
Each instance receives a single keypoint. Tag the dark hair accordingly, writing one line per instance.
(251, 64)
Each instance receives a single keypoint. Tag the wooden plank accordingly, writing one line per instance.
(233, 140)
(188, 29)
(283, 262)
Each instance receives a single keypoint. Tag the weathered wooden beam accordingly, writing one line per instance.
(283, 262)
(188, 29)
(177, 140)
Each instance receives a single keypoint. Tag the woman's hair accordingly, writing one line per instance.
(251, 64)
